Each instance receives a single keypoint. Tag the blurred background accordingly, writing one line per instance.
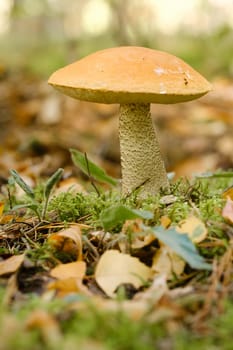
(38, 125)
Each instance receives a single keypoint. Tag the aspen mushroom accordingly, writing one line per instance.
(134, 77)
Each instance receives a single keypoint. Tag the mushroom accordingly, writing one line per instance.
(134, 77)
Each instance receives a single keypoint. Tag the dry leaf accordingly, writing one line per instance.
(139, 238)
(6, 218)
(140, 241)
(11, 264)
(68, 241)
(1, 208)
(228, 193)
(67, 286)
(165, 221)
(227, 211)
(115, 268)
(167, 262)
(69, 278)
(75, 269)
(194, 228)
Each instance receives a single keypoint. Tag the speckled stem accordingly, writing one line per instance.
(141, 160)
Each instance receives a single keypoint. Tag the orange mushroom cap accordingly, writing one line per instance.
(130, 75)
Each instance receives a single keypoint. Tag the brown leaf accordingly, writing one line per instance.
(11, 264)
(115, 268)
(68, 241)
(165, 221)
(69, 285)
(69, 278)
(140, 241)
(227, 211)
(228, 193)
(1, 208)
(75, 269)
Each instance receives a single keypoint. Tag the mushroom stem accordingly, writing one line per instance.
(142, 164)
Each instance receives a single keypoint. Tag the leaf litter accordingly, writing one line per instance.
(142, 260)
(177, 237)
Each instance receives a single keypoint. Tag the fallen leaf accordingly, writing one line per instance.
(167, 262)
(140, 241)
(68, 241)
(165, 221)
(75, 269)
(194, 228)
(182, 245)
(11, 264)
(67, 286)
(6, 218)
(115, 268)
(69, 278)
(1, 208)
(227, 211)
(228, 193)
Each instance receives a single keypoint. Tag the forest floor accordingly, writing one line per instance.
(83, 267)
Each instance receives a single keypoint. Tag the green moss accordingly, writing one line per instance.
(201, 196)
(78, 207)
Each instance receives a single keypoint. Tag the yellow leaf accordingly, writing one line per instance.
(165, 221)
(140, 241)
(115, 268)
(68, 241)
(167, 262)
(1, 208)
(65, 286)
(228, 193)
(69, 278)
(227, 211)
(75, 269)
(11, 264)
(194, 228)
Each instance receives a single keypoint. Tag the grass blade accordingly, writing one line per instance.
(18, 179)
(52, 181)
(91, 169)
